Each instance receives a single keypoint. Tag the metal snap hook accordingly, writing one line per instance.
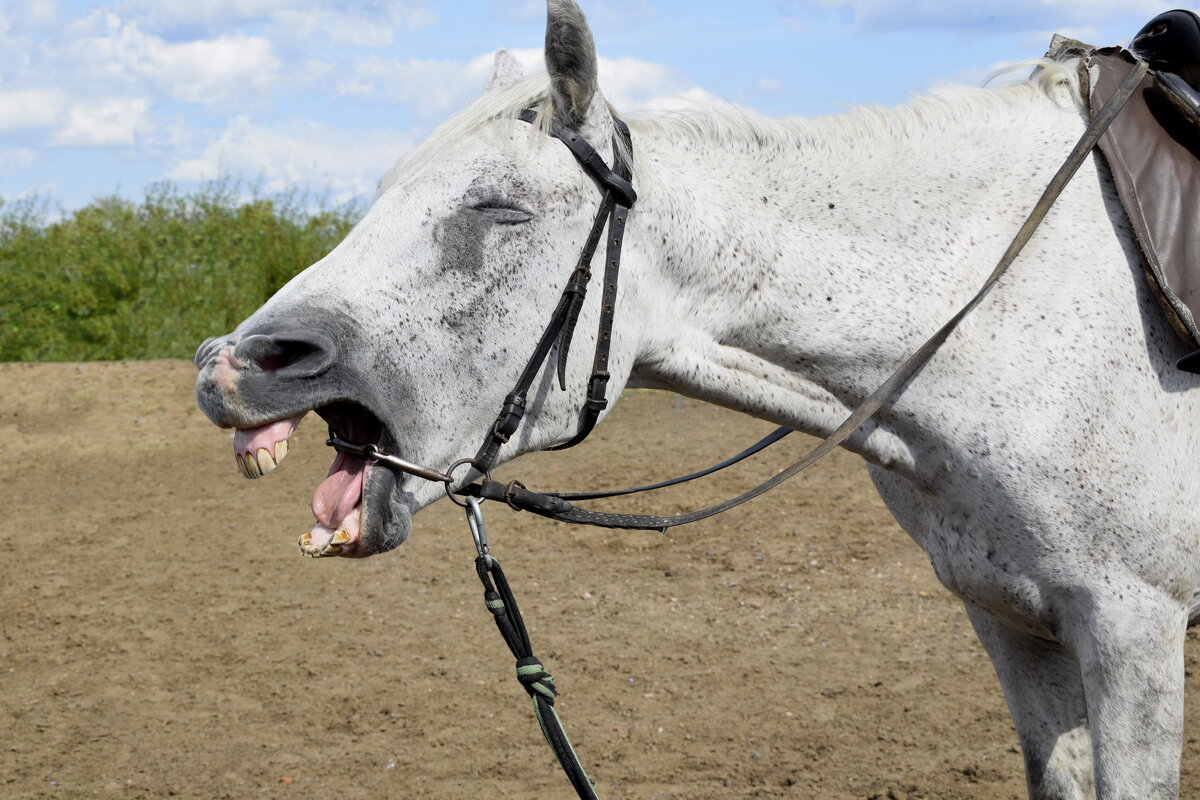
(478, 531)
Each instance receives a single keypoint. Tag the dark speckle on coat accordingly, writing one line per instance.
(460, 238)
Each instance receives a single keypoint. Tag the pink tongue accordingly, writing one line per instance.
(341, 492)
(251, 440)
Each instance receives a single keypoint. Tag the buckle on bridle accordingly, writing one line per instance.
(597, 386)
(509, 419)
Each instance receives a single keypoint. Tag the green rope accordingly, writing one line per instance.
(537, 710)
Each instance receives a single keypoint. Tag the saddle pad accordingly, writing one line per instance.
(1155, 162)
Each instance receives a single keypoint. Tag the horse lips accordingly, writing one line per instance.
(337, 502)
(259, 450)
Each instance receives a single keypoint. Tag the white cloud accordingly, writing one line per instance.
(369, 27)
(370, 23)
(173, 15)
(217, 71)
(435, 89)
(33, 15)
(347, 161)
(160, 82)
(1015, 15)
(29, 109)
(229, 70)
(430, 88)
(15, 158)
(105, 123)
(633, 84)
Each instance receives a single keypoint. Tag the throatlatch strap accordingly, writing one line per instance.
(597, 394)
(555, 507)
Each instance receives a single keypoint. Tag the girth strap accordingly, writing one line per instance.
(554, 506)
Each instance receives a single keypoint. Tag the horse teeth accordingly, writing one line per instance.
(243, 466)
(340, 538)
(264, 460)
(281, 449)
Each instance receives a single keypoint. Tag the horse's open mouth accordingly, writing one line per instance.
(339, 502)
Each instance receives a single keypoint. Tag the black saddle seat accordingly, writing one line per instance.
(1171, 43)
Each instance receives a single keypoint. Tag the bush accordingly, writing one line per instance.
(125, 280)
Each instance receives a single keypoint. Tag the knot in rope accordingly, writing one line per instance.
(494, 604)
(533, 676)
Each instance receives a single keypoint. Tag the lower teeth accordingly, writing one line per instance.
(331, 548)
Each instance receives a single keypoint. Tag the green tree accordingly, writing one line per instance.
(124, 280)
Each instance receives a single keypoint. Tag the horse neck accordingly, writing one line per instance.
(791, 274)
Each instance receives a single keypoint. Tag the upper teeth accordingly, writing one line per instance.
(255, 465)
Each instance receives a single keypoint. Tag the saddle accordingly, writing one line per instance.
(1153, 151)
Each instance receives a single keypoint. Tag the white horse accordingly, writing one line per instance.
(1045, 459)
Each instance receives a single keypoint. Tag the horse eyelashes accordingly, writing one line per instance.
(505, 214)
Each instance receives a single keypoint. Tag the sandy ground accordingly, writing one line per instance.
(161, 637)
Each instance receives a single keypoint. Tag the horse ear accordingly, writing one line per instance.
(506, 70)
(570, 60)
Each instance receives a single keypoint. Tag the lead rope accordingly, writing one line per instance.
(499, 599)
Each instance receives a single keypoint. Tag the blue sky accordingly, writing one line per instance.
(323, 95)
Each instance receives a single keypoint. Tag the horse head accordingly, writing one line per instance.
(409, 333)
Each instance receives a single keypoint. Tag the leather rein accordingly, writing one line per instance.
(618, 197)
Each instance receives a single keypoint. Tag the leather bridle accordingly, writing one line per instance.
(618, 198)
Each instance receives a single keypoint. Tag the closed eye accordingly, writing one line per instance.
(503, 212)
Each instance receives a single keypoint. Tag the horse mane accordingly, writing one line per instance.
(732, 125)
(500, 102)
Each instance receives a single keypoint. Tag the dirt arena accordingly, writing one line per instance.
(163, 638)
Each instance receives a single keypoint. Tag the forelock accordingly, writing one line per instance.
(499, 103)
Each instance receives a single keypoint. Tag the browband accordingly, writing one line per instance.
(589, 158)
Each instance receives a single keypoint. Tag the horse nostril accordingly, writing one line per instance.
(308, 351)
(261, 350)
